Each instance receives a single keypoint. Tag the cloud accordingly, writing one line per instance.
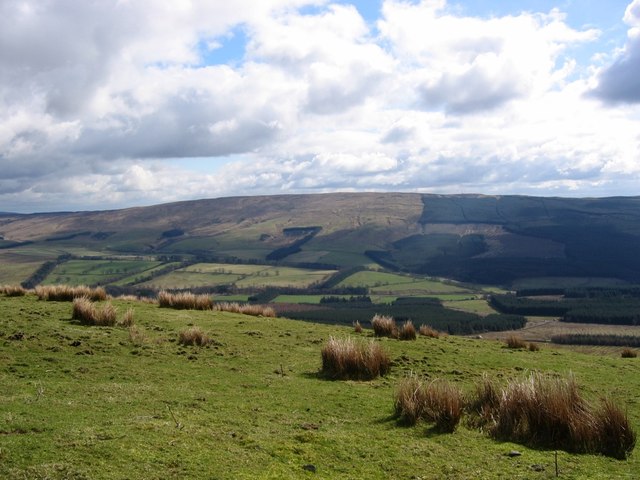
(331, 53)
(465, 64)
(618, 82)
(112, 103)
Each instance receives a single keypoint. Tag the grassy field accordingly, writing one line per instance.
(396, 284)
(98, 272)
(243, 276)
(108, 403)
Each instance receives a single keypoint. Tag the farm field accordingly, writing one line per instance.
(541, 329)
(110, 402)
(396, 284)
(242, 276)
(98, 272)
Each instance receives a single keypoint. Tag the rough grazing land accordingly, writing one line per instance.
(80, 402)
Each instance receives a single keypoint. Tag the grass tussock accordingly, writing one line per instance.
(184, 301)
(137, 335)
(85, 311)
(533, 347)
(484, 402)
(628, 353)
(127, 319)
(439, 402)
(515, 342)
(348, 359)
(194, 336)
(13, 290)
(549, 412)
(357, 327)
(246, 309)
(407, 331)
(67, 293)
(428, 331)
(384, 326)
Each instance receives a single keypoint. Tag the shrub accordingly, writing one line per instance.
(13, 290)
(514, 341)
(628, 353)
(347, 359)
(407, 331)
(427, 331)
(439, 401)
(357, 327)
(194, 336)
(384, 326)
(184, 301)
(534, 347)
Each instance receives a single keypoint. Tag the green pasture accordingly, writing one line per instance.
(479, 306)
(97, 272)
(86, 402)
(240, 275)
(396, 284)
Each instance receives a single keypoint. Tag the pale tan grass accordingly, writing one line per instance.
(356, 360)
(384, 326)
(407, 331)
(428, 331)
(13, 290)
(194, 336)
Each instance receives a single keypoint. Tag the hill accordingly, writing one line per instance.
(473, 238)
(101, 402)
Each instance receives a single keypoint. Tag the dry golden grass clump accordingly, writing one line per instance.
(127, 318)
(184, 301)
(87, 313)
(13, 290)
(628, 353)
(550, 412)
(194, 336)
(246, 309)
(384, 326)
(407, 331)
(428, 331)
(409, 402)
(514, 341)
(67, 293)
(357, 327)
(439, 401)
(344, 359)
(533, 347)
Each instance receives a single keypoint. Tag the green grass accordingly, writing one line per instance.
(479, 306)
(97, 272)
(384, 283)
(15, 269)
(88, 402)
(243, 276)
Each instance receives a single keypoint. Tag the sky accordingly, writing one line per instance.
(116, 103)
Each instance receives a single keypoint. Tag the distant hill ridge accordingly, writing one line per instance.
(479, 238)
